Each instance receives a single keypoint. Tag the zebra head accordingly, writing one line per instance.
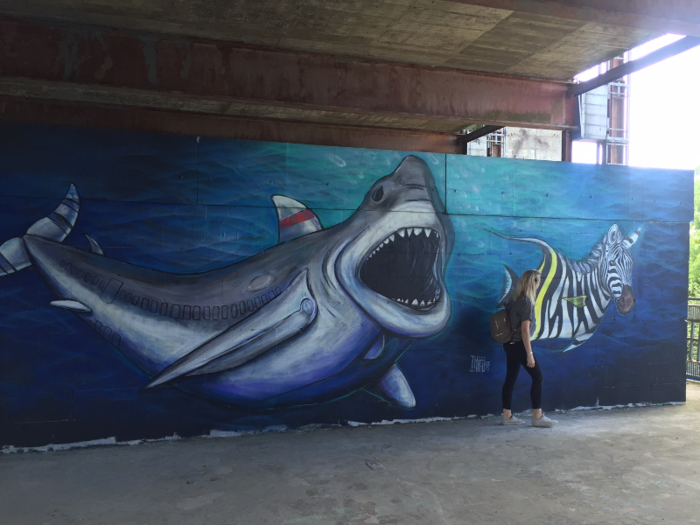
(616, 267)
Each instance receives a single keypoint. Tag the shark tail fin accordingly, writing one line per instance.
(510, 283)
(54, 227)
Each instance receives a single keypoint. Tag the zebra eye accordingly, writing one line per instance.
(612, 263)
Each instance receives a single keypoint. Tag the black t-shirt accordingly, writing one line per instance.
(522, 309)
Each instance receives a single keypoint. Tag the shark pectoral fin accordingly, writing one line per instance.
(376, 349)
(393, 386)
(294, 218)
(94, 245)
(72, 306)
(283, 317)
(285, 329)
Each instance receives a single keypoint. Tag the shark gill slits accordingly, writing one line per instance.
(402, 268)
(195, 312)
(111, 335)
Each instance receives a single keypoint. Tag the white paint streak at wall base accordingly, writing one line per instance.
(66, 446)
(402, 421)
(9, 449)
(84, 444)
(629, 405)
(239, 433)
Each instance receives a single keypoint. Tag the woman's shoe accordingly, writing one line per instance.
(543, 422)
(512, 420)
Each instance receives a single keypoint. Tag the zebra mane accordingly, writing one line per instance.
(588, 263)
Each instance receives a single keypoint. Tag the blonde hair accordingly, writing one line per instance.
(527, 285)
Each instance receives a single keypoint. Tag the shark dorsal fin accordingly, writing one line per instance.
(294, 218)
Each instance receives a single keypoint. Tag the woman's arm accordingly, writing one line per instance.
(525, 332)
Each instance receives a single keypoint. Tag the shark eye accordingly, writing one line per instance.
(378, 194)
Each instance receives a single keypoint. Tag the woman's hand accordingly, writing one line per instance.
(530, 360)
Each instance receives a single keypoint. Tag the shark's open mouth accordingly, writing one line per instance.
(403, 268)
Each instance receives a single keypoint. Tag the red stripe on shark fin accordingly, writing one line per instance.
(302, 216)
(294, 219)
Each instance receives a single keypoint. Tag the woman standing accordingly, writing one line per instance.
(519, 350)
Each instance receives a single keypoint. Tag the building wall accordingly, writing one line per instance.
(524, 143)
(329, 350)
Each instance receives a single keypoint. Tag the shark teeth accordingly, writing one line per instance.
(403, 232)
(405, 268)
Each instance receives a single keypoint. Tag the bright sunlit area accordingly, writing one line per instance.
(664, 111)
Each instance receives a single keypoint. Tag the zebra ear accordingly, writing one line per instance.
(627, 242)
(614, 234)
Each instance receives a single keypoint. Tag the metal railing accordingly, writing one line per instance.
(693, 349)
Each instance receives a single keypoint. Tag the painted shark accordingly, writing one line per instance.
(322, 314)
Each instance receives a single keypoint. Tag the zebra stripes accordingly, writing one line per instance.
(574, 295)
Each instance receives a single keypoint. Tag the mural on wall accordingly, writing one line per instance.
(207, 298)
(314, 318)
(575, 294)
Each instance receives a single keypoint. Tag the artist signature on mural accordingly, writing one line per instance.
(480, 364)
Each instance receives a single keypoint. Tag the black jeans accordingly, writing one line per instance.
(517, 355)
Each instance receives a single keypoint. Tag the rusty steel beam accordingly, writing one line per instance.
(464, 140)
(567, 145)
(680, 46)
(139, 119)
(275, 84)
(671, 16)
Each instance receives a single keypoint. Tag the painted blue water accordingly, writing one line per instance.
(181, 204)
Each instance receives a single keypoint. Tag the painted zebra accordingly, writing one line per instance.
(575, 295)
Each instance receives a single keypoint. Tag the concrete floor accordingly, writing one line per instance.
(624, 466)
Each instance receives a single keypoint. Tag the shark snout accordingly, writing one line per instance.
(416, 183)
(394, 266)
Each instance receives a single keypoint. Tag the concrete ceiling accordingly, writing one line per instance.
(422, 32)
(335, 68)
